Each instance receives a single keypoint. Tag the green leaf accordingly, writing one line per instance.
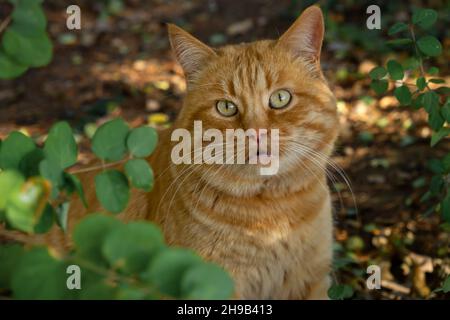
(206, 281)
(397, 27)
(443, 90)
(130, 247)
(39, 276)
(403, 95)
(445, 110)
(430, 46)
(52, 172)
(10, 255)
(62, 215)
(421, 83)
(10, 182)
(142, 141)
(446, 285)
(100, 290)
(436, 80)
(46, 221)
(25, 206)
(109, 142)
(140, 174)
(379, 86)
(445, 208)
(74, 184)
(340, 292)
(399, 42)
(89, 235)
(28, 17)
(60, 145)
(377, 73)
(424, 18)
(34, 51)
(435, 119)
(436, 166)
(13, 149)
(437, 136)
(430, 101)
(167, 269)
(112, 190)
(130, 292)
(433, 71)
(29, 165)
(10, 69)
(446, 162)
(395, 70)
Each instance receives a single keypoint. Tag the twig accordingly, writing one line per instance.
(419, 55)
(102, 166)
(395, 286)
(5, 23)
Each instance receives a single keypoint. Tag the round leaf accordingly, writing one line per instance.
(377, 73)
(424, 18)
(61, 146)
(403, 95)
(29, 17)
(109, 140)
(167, 269)
(379, 86)
(421, 83)
(89, 234)
(24, 207)
(206, 281)
(9, 68)
(14, 149)
(340, 292)
(46, 221)
(52, 172)
(39, 276)
(395, 70)
(35, 51)
(10, 182)
(142, 141)
(112, 190)
(397, 27)
(430, 46)
(131, 246)
(9, 256)
(140, 174)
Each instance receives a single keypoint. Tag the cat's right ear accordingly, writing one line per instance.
(191, 53)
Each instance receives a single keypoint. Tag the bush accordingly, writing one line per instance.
(117, 260)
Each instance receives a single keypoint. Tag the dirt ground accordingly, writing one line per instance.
(122, 65)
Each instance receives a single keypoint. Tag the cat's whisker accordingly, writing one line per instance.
(188, 174)
(302, 149)
(328, 173)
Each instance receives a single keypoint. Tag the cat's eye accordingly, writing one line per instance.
(280, 99)
(226, 108)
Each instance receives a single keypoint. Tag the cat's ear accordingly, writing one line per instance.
(191, 53)
(305, 36)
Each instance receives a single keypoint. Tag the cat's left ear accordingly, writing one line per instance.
(305, 36)
(191, 53)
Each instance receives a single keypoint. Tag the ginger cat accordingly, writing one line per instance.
(272, 233)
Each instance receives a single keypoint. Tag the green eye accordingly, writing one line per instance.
(280, 99)
(226, 108)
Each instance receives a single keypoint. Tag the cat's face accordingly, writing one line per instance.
(263, 85)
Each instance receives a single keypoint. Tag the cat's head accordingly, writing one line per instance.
(269, 84)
